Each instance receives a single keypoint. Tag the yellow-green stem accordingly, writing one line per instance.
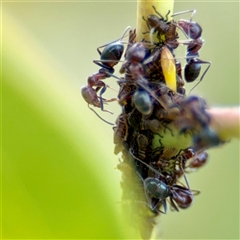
(226, 122)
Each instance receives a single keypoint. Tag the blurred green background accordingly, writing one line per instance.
(58, 176)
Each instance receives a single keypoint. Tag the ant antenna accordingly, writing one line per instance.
(193, 11)
(119, 39)
(128, 28)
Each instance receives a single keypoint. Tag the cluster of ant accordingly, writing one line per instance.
(153, 97)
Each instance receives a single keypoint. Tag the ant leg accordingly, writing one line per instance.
(184, 175)
(199, 61)
(102, 100)
(112, 88)
(144, 87)
(173, 204)
(100, 116)
(154, 207)
(100, 96)
(164, 206)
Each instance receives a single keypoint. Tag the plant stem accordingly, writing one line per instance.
(225, 121)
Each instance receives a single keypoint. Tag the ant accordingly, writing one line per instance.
(167, 36)
(193, 67)
(156, 191)
(199, 160)
(191, 30)
(109, 57)
(135, 72)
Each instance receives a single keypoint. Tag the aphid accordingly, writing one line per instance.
(154, 125)
(120, 133)
(156, 191)
(166, 30)
(142, 142)
(125, 167)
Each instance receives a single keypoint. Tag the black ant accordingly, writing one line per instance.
(109, 57)
(193, 67)
(157, 190)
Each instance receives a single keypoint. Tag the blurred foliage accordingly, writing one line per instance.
(58, 177)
